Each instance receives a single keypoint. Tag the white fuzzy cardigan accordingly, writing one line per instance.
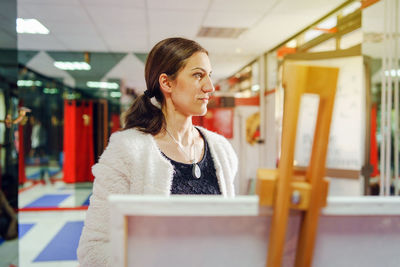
(132, 164)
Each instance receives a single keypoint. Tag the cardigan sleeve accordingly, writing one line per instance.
(110, 178)
(232, 160)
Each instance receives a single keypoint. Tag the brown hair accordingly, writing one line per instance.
(168, 56)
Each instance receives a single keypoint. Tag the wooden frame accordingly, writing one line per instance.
(281, 188)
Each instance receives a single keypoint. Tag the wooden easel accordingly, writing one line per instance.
(287, 188)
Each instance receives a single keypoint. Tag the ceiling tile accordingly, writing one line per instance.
(231, 19)
(158, 18)
(127, 43)
(39, 42)
(309, 9)
(115, 3)
(241, 6)
(115, 16)
(163, 24)
(65, 28)
(49, 2)
(218, 45)
(49, 12)
(81, 42)
(23, 13)
(178, 4)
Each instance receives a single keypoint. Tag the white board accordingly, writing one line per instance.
(347, 135)
(212, 231)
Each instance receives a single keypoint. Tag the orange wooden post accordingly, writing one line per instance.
(276, 187)
(322, 82)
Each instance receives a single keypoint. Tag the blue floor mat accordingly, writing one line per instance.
(64, 245)
(23, 228)
(48, 201)
(86, 203)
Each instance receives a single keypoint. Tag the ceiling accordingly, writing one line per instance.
(119, 33)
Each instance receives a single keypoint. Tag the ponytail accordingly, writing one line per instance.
(144, 116)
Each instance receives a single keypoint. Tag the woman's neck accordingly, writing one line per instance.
(179, 126)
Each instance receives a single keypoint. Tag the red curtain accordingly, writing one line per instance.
(78, 141)
(85, 144)
(69, 141)
(116, 125)
(373, 155)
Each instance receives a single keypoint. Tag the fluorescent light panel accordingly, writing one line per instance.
(28, 83)
(50, 91)
(115, 94)
(106, 85)
(31, 26)
(66, 65)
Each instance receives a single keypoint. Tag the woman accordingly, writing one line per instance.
(160, 151)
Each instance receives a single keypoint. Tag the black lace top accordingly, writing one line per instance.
(185, 183)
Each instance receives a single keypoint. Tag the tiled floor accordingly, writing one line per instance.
(47, 238)
(46, 243)
(58, 194)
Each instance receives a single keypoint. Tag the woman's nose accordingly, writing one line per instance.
(208, 86)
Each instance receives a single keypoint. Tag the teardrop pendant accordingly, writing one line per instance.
(196, 172)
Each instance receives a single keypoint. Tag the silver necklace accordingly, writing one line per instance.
(196, 171)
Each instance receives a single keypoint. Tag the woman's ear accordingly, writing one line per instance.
(165, 83)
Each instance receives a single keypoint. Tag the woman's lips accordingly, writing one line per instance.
(203, 99)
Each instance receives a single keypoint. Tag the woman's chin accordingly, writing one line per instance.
(203, 112)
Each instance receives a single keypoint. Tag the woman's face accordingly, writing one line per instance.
(190, 90)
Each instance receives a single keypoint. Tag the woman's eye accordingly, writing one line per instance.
(198, 75)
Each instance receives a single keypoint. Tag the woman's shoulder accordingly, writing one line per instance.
(128, 134)
(122, 144)
(129, 137)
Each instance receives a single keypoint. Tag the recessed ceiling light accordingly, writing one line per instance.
(32, 26)
(238, 50)
(66, 65)
(106, 85)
